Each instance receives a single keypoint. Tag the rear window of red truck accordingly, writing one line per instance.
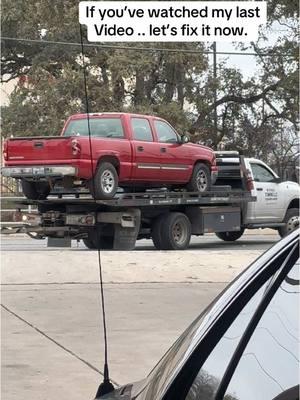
(99, 127)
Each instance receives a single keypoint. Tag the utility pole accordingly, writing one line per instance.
(214, 46)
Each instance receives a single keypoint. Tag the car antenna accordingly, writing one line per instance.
(106, 386)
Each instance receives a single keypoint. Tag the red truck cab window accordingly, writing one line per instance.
(141, 129)
(100, 127)
(165, 133)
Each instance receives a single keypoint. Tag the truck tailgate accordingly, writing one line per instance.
(39, 149)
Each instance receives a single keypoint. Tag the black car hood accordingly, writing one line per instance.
(126, 392)
(122, 393)
(172, 362)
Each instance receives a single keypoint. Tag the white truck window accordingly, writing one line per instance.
(261, 174)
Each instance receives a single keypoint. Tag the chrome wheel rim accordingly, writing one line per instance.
(107, 181)
(292, 223)
(179, 232)
(201, 181)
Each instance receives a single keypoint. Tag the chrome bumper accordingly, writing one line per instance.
(39, 171)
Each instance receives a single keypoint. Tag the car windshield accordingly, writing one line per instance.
(99, 127)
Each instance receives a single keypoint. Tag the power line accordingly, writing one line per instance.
(136, 48)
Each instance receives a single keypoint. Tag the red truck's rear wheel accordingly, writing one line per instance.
(201, 179)
(105, 182)
(35, 190)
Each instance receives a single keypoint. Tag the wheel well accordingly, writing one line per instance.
(111, 159)
(206, 162)
(294, 204)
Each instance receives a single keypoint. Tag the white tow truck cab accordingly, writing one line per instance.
(274, 197)
(277, 201)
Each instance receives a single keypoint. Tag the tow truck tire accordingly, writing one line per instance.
(230, 236)
(89, 244)
(105, 183)
(156, 232)
(291, 221)
(200, 180)
(105, 242)
(35, 190)
(175, 230)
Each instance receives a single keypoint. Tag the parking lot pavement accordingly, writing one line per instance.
(52, 343)
(143, 321)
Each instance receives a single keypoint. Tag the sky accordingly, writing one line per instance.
(246, 64)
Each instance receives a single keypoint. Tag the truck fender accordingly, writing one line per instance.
(111, 158)
(294, 204)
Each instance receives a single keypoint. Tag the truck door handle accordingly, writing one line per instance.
(39, 144)
(140, 148)
(163, 150)
(260, 189)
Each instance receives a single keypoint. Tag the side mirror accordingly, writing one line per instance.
(277, 180)
(184, 139)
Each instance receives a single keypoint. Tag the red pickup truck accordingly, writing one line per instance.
(126, 150)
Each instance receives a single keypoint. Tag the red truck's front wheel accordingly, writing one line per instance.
(35, 190)
(201, 179)
(105, 183)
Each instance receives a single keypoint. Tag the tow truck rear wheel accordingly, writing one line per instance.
(98, 241)
(35, 190)
(105, 183)
(291, 221)
(173, 232)
(230, 236)
(156, 232)
(107, 243)
(89, 244)
(200, 180)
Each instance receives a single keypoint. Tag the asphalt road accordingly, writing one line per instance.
(256, 240)
(52, 342)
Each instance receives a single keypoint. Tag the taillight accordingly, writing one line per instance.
(5, 152)
(76, 148)
(249, 180)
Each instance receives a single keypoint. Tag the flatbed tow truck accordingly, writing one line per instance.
(168, 217)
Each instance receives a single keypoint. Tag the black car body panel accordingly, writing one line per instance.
(202, 336)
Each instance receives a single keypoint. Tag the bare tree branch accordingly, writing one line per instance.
(236, 99)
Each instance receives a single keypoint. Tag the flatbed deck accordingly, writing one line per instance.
(128, 216)
(216, 197)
